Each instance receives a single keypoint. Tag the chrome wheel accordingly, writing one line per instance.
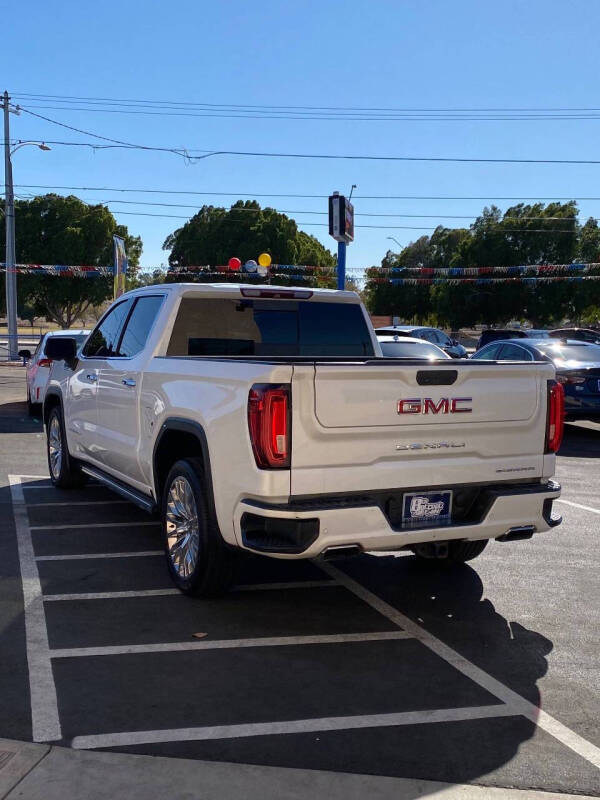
(183, 537)
(55, 447)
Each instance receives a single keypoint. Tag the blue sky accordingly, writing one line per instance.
(401, 54)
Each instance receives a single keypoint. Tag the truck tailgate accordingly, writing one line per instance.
(387, 425)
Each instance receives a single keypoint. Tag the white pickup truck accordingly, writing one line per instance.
(265, 419)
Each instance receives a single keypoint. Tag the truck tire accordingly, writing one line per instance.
(198, 560)
(458, 552)
(64, 472)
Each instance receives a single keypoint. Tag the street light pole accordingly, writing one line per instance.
(394, 240)
(9, 214)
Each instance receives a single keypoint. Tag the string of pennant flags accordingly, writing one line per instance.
(397, 276)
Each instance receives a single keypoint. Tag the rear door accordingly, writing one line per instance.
(376, 426)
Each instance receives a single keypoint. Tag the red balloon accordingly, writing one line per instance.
(234, 263)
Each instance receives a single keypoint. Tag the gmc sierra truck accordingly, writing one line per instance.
(265, 419)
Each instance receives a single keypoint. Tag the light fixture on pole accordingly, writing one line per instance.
(394, 240)
(9, 213)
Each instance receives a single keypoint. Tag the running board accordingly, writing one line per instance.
(142, 500)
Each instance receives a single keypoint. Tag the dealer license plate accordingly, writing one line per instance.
(426, 509)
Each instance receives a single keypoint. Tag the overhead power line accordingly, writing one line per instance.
(297, 195)
(191, 154)
(270, 111)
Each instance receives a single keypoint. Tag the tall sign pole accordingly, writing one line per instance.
(9, 214)
(341, 227)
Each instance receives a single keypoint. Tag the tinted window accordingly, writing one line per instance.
(411, 350)
(139, 325)
(512, 352)
(104, 339)
(489, 353)
(429, 336)
(571, 352)
(207, 327)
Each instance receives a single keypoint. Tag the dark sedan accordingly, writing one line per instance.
(577, 368)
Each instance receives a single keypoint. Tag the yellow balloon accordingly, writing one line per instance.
(264, 260)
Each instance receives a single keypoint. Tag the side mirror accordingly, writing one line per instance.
(61, 348)
(25, 354)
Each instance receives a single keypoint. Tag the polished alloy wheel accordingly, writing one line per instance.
(183, 537)
(55, 447)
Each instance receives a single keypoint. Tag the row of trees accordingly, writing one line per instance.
(53, 229)
(522, 235)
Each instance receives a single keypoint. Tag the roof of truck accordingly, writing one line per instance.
(236, 288)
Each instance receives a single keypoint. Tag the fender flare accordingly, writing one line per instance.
(196, 430)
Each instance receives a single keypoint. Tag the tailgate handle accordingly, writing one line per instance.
(436, 377)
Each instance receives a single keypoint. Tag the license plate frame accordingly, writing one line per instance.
(427, 509)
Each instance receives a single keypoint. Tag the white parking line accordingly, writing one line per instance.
(80, 503)
(45, 722)
(112, 595)
(578, 505)
(513, 700)
(94, 525)
(291, 726)
(249, 587)
(81, 556)
(228, 644)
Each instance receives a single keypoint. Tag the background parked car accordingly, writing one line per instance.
(38, 367)
(408, 347)
(495, 334)
(579, 334)
(577, 368)
(432, 335)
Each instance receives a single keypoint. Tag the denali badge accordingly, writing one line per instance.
(426, 405)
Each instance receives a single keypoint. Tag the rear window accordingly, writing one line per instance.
(571, 352)
(266, 328)
(411, 350)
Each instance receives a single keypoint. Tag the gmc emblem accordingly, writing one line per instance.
(426, 405)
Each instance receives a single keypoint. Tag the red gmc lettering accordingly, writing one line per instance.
(454, 409)
(429, 406)
(411, 406)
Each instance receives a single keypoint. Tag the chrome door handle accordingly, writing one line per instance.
(128, 382)
(92, 378)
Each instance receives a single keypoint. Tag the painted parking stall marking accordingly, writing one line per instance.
(72, 634)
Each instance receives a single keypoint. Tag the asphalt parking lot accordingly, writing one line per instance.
(487, 674)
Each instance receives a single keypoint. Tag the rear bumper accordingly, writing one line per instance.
(305, 530)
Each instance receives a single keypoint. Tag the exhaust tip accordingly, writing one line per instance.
(517, 534)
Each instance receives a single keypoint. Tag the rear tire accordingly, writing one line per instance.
(198, 560)
(458, 553)
(64, 472)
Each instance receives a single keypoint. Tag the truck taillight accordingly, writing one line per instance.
(269, 425)
(556, 414)
(45, 362)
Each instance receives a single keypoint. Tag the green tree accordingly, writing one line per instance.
(52, 229)
(214, 235)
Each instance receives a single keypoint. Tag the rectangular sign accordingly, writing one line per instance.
(341, 218)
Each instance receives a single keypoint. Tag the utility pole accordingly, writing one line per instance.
(9, 215)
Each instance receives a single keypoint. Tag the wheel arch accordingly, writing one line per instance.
(180, 438)
(52, 398)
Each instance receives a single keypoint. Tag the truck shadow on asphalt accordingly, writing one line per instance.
(580, 441)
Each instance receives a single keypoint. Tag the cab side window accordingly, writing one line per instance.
(139, 325)
(104, 340)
